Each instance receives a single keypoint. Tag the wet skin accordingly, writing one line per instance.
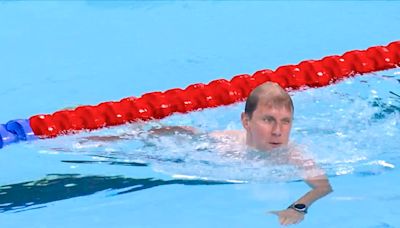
(268, 127)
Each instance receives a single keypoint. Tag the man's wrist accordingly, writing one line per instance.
(299, 207)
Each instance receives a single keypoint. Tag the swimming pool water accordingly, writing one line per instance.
(58, 54)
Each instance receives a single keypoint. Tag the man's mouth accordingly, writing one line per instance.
(275, 144)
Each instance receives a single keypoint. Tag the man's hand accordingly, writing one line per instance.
(289, 216)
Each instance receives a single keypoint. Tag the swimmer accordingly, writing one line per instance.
(267, 122)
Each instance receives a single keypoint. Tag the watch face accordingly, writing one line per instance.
(300, 206)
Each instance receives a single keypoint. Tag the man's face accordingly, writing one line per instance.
(269, 127)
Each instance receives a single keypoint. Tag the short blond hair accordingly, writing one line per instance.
(272, 94)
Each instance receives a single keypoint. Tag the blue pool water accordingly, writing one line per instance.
(59, 54)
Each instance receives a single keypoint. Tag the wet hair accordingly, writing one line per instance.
(271, 94)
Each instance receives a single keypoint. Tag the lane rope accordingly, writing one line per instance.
(157, 105)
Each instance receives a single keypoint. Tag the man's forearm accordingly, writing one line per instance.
(315, 194)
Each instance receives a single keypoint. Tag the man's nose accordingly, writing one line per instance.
(276, 130)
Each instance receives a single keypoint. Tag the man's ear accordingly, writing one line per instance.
(245, 120)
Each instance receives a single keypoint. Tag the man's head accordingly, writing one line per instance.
(268, 117)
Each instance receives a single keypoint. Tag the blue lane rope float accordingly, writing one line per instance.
(14, 131)
(6, 137)
(21, 128)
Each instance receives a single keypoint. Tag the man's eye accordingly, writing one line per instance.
(268, 119)
(286, 121)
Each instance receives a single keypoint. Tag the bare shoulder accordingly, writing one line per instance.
(232, 134)
(299, 157)
(305, 161)
(226, 133)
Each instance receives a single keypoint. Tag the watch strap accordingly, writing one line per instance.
(299, 207)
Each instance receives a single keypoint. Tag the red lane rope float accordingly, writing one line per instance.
(157, 105)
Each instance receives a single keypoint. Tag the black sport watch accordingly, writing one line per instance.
(299, 207)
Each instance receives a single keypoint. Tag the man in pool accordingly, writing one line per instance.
(267, 120)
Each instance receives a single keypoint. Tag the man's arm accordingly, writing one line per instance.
(156, 131)
(320, 187)
(313, 175)
(171, 130)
